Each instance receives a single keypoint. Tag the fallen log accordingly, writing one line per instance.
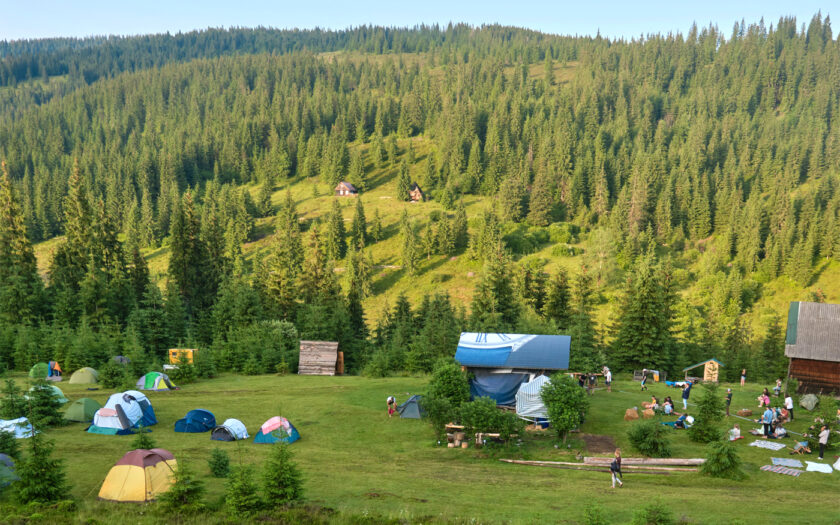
(597, 468)
(686, 462)
(631, 468)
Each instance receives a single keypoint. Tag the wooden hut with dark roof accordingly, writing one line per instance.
(812, 343)
(345, 189)
(415, 194)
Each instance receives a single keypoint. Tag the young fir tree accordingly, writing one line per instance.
(410, 241)
(185, 495)
(42, 477)
(494, 305)
(445, 237)
(44, 405)
(284, 263)
(585, 353)
(459, 227)
(403, 182)
(541, 202)
(282, 480)
(358, 228)
(21, 288)
(557, 305)
(12, 404)
(357, 176)
(375, 231)
(241, 497)
(189, 264)
(335, 245)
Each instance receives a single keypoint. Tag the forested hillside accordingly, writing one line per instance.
(659, 200)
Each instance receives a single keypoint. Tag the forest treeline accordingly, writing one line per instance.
(677, 142)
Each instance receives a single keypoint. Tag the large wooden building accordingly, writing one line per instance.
(813, 345)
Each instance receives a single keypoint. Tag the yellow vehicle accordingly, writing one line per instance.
(179, 356)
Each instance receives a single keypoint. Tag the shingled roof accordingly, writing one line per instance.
(813, 331)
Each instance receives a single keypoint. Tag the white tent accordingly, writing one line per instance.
(20, 427)
(529, 404)
(122, 412)
(230, 430)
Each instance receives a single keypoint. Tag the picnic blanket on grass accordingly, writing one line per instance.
(769, 445)
(786, 462)
(778, 469)
(818, 467)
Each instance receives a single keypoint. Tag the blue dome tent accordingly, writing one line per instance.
(197, 420)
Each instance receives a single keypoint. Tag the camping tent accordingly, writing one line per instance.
(411, 409)
(230, 430)
(56, 392)
(7, 470)
(529, 403)
(275, 430)
(39, 371)
(82, 410)
(20, 427)
(197, 420)
(122, 413)
(155, 381)
(141, 475)
(84, 376)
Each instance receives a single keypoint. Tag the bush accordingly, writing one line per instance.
(439, 412)
(650, 438)
(184, 374)
(655, 513)
(143, 439)
(258, 348)
(449, 382)
(13, 405)
(219, 463)
(204, 362)
(594, 515)
(44, 406)
(378, 364)
(9, 445)
(710, 412)
(563, 232)
(113, 374)
(480, 415)
(722, 461)
(566, 403)
(282, 481)
(241, 498)
(185, 494)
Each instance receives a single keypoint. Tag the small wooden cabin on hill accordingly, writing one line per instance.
(345, 189)
(320, 358)
(415, 194)
(812, 343)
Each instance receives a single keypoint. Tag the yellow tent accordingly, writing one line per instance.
(140, 476)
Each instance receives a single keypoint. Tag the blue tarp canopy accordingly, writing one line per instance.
(521, 351)
(501, 387)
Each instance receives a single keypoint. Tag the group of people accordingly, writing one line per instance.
(590, 381)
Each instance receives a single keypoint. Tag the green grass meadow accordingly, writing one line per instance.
(366, 467)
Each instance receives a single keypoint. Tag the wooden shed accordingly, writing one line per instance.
(812, 344)
(345, 189)
(711, 368)
(320, 358)
(415, 194)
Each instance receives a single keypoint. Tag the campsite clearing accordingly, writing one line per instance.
(345, 428)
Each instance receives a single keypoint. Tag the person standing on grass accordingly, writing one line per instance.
(823, 440)
(767, 420)
(592, 379)
(644, 378)
(789, 406)
(608, 379)
(685, 393)
(728, 400)
(615, 469)
(743, 377)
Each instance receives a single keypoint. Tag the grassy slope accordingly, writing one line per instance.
(357, 461)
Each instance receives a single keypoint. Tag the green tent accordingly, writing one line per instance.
(39, 370)
(56, 392)
(82, 410)
(84, 376)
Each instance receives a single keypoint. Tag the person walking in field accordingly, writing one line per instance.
(789, 406)
(615, 469)
(608, 379)
(644, 378)
(743, 377)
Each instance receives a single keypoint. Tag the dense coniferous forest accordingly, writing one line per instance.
(683, 173)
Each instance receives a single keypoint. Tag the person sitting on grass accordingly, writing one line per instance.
(780, 431)
(668, 405)
(801, 447)
(735, 433)
(778, 388)
(653, 405)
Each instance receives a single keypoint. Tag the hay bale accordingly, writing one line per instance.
(631, 414)
(745, 412)
(647, 413)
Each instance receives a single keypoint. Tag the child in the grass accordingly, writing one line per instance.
(735, 433)
(615, 469)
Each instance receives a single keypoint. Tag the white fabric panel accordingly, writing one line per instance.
(236, 427)
(529, 401)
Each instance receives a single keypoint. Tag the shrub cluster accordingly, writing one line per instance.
(650, 438)
(722, 461)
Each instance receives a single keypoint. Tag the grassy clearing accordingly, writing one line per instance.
(358, 462)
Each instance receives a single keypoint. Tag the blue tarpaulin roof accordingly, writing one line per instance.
(520, 351)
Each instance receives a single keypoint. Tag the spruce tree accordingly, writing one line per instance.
(335, 245)
(282, 480)
(403, 182)
(376, 226)
(42, 477)
(557, 305)
(21, 288)
(541, 202)
(410, 249)
(585, 355)
(494, 305)
(358, 228)
(189, 265)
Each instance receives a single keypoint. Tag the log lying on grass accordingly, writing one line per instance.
(685, 462)
(598, 468)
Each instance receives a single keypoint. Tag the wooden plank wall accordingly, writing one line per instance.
(816, 377)
(318, 358)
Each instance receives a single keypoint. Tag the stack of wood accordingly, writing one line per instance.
(319, 358)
